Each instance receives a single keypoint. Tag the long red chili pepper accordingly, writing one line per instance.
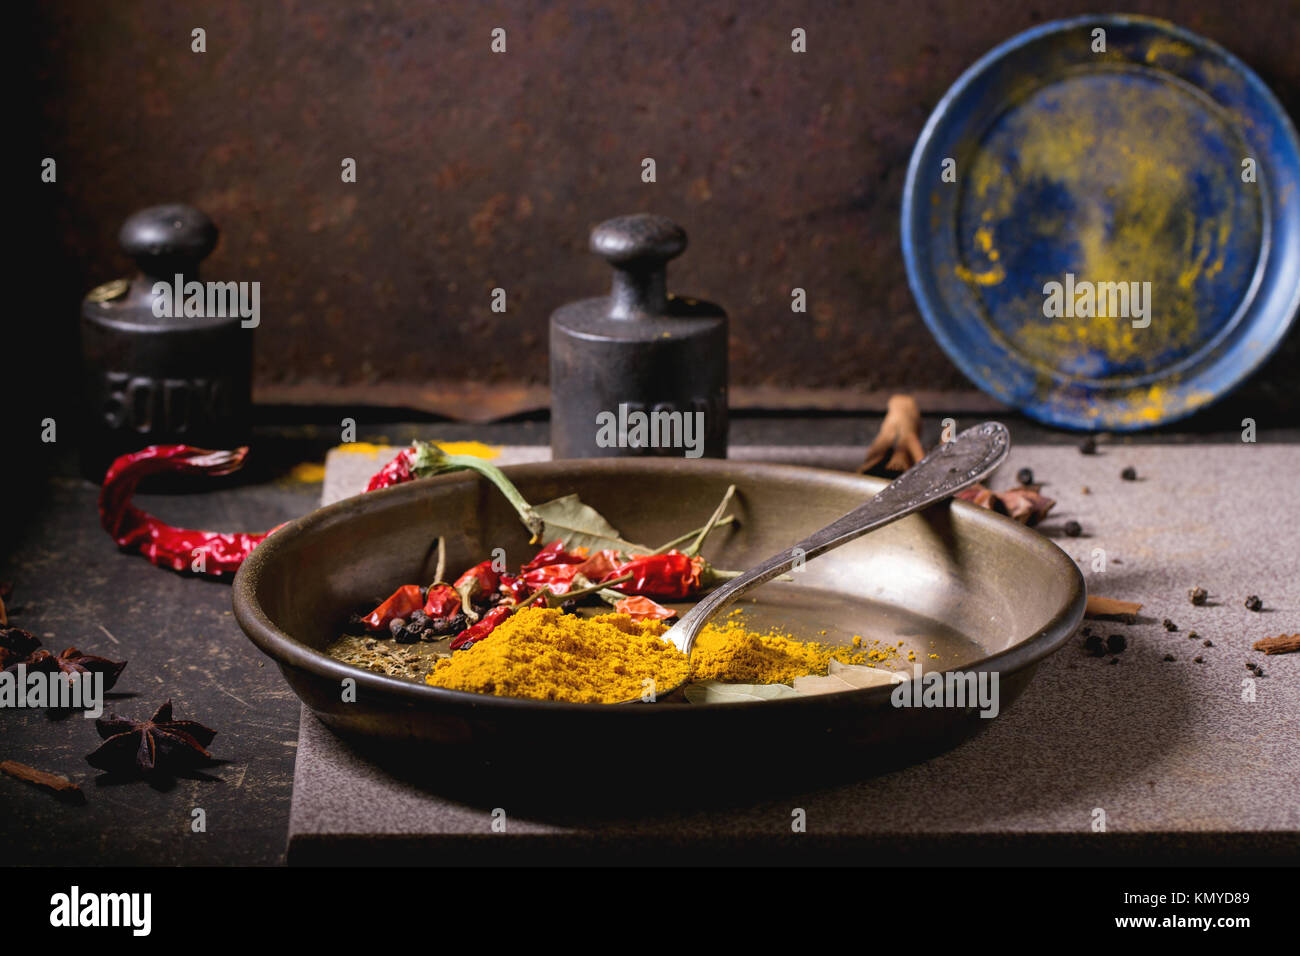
(486, 625)
(209, 553)
(670, 575)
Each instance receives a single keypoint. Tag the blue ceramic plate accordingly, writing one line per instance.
(1117, 241)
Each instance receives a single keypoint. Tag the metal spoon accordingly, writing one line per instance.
(952, 466)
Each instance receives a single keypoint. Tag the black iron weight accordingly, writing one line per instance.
(150, 379)
(640, 371)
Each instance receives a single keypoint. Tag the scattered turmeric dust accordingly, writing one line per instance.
(307, 473)
(475, 448)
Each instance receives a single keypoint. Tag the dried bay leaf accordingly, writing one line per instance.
(842, 677)
(718, 692)
(579, 525)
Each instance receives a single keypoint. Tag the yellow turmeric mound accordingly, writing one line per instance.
(728, 651)
(548, 655)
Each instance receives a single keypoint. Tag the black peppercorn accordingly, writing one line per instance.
(1207, 643)
(1199, 660)
(1025, 476)
(1192, 635)
(1169, 625)
(1089, 446)
(1129, 473)
(1073, 529)
(1094, 647)
(1197, 595)
(1253, 603)
(1170, 657)
(1116, 643)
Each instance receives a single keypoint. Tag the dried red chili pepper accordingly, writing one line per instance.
(557, 577)
(395, 472)
(476, 583)
(476, 632)
(670, 575)
(442, 601)
(555, 553)
(514, 587)
(643, 609)
(202, 552)
(403, 602)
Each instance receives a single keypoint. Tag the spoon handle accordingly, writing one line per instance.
(952, 466)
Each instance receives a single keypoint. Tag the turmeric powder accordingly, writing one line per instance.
(731, 652)
(548, 655)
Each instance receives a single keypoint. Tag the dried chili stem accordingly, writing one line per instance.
(689, 536)
(572, 594)
(429, 460)
(442, 560)
(709, 525)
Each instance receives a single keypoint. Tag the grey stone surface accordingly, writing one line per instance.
(1180, 762)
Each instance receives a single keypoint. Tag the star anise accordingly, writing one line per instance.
(16, 645)
(74, 663)
(154, 746)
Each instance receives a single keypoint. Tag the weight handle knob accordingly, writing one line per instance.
(638, 247)
(170, 239)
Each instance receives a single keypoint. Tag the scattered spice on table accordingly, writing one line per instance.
(1025, 476)
(1198, 660)
(1073, 529)
(1209, 643)
(1170, 657)
(158, 746)
(1105, 607)
(1088, 446)
(60, 786)
(1129, 473)
(1280, 644)
(897, 445)
(1025, 505)
(1192, 635)
(1093, 646)
(74, 663)
(1198, 595)
(1253, 603)
(1116, 643)
(16, 645)
(1168, 625)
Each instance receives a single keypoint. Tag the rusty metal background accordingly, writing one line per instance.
(478, 170)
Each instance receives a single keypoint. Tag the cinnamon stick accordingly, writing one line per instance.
(899, 438)
(1099, 606)
(1281, 644)
(62, 788)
